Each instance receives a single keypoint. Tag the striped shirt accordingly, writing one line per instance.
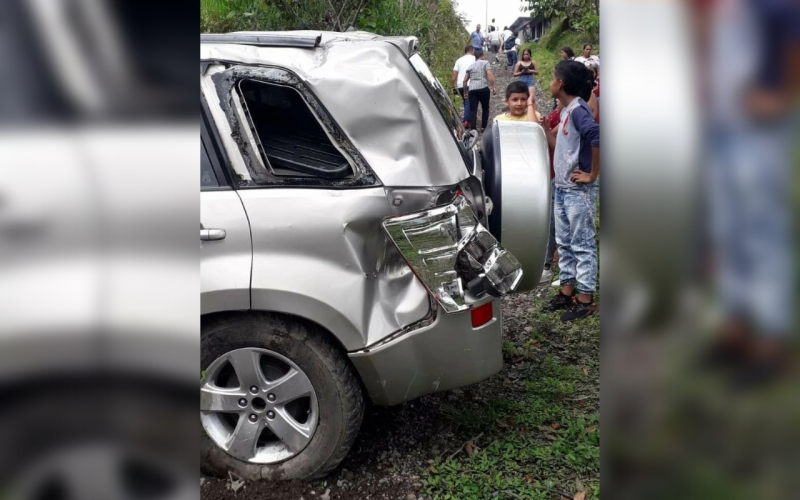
(477, 73)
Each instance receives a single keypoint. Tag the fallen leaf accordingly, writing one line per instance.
(586, 372)
(530, 479)
(507, 381)
(502, 424)
(234, 485)
(591, 429)
(468, 448)
(579, 496)
(555, 426)
(518, 360)
(579, 486)
(550, 437)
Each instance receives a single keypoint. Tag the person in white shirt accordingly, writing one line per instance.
(457, 78)
(495, 39)
(506, 33)
(587, 56)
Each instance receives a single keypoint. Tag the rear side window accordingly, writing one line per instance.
(443, 104)
(288, 135)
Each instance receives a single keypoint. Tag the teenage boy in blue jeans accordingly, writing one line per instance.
(576, 162)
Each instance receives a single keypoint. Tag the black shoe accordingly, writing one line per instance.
(579, 310)
(560, 301)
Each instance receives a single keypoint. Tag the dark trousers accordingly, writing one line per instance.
(465, 98)
(481, 96)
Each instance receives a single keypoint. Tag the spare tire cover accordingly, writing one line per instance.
(516, 163)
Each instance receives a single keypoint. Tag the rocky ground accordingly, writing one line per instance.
(531, 431)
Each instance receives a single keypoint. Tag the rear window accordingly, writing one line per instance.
(288, 134)
(443, 104)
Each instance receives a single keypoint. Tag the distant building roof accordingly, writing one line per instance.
(520, 23)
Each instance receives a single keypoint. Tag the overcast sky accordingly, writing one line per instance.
(504, 11)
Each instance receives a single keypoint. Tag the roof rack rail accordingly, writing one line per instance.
(264, 40)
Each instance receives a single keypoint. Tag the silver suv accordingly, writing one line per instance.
(354, 242)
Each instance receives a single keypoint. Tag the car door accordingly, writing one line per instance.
(226, 253)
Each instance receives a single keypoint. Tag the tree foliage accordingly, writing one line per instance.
(583, 15)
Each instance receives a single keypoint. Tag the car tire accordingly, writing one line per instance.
(338, 391)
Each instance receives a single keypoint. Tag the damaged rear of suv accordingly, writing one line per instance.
(354, 242)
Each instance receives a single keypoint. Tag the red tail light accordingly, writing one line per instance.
(482, 315)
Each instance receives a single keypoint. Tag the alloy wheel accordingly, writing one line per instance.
(258, 405)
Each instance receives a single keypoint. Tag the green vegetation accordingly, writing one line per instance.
(435, 23)
(538, 438)
(547, 53)
(582, 15)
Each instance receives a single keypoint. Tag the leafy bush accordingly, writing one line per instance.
(582, 14)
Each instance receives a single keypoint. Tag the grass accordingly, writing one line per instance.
(539, 435)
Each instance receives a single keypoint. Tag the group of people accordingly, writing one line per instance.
(573, 135)
(497, 42)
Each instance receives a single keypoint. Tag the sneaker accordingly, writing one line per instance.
(556, 283)
(579, 310)
(560, 301)
(547, 275)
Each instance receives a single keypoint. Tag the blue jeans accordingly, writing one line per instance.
(465, 99)
(749, 187)
(527, 80)
(512, 58)
(574, 212)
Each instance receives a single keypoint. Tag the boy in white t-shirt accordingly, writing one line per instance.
(457, 77)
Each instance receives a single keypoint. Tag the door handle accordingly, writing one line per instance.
(212, 234)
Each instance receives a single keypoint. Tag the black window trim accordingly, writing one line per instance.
(347, 157)
(369, 179)
(209, 139)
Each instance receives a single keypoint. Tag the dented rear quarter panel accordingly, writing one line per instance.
(322, 255)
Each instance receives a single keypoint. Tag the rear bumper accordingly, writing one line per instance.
(444, 355)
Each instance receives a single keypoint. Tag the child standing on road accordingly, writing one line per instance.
(576, 164)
